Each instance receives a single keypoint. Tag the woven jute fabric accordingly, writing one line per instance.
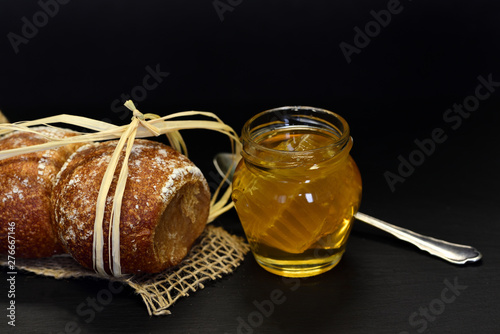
(217, 253)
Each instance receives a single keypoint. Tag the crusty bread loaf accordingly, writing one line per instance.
(165, 205)
(26, 183)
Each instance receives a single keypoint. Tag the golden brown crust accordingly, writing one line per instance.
(26, 183)
(165, 205)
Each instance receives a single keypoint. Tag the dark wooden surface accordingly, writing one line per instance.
(395, 91)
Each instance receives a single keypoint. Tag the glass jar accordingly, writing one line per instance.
(296, 189)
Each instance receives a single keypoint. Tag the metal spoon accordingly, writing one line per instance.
(454, 253)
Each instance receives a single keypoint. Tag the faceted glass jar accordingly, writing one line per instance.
(297, 189)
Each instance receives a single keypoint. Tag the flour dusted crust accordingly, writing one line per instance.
(26, 183)
(165, 205)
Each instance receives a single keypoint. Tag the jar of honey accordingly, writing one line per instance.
(296, 189)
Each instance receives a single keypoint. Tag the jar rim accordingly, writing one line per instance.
(341, 141)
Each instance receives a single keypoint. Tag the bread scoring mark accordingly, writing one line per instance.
(71, 157)
(177, 174)
(42, 163)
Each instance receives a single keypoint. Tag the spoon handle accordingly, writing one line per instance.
(454, 253)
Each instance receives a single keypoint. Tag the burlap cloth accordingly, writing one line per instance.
(217, 253)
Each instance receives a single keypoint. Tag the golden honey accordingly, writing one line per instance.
(296, 189)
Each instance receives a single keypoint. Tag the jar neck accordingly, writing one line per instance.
(333, 129)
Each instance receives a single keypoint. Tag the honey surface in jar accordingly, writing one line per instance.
(299, 215)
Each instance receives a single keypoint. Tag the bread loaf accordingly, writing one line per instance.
(26, 183)
(164, 210)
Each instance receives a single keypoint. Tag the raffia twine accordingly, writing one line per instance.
(217, 252)
(3, 119)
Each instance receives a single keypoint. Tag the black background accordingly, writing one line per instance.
(264, 54)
